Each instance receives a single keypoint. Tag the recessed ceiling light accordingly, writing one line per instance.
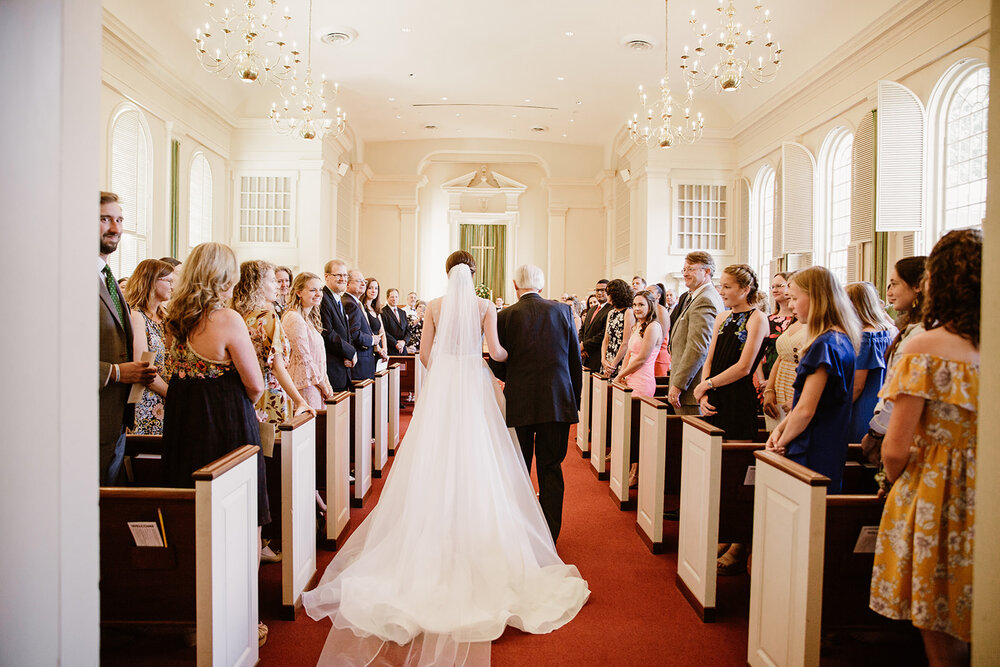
(568, 33)
(405, 29)
(404, 131)
(579, 102)
(339, 35)
(572, 120)
(458, 115)
(560, 78)
(430, 126)
(527, 100)
(564, 135)
(392, 99)
(398, 116)
(513, 115)
(444, 99)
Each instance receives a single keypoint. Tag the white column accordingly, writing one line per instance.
(410, 248)
(653, 259)
(50, 130)
(555, 271)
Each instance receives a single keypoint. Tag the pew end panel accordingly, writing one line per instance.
(406, 363)
(338, 467)
(583, 427)
(624, 429)
(380, 455)
(298, 510)
(698, 532)
(361, 438)
(600, 425)
(419, 371)
(652, 427)
(394, 399)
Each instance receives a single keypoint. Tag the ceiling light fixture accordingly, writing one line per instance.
(732, 68)
(569, 33)
(252, 47)
(655, 125)
(560, 78)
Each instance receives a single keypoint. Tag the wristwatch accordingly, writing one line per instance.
(710, 385)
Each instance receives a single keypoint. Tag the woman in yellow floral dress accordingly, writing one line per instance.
(923, 556)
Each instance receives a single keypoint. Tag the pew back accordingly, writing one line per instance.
(337, 468)
(583, 427)
(361, 437)
(600, 425)
(298, 509)
(380, 390)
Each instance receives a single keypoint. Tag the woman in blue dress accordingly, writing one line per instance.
(815, 433)
(877, 332)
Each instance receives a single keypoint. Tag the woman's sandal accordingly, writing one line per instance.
(261, 634)
(734, 561)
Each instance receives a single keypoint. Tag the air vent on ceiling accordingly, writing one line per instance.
(539, 128)
(339, 36)
(430, 127)
(638, 42)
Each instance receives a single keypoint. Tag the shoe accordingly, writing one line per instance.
(672, 515)
(261, 634)
(268, 555)
(633, 476)
(733, 562)
(350, 478)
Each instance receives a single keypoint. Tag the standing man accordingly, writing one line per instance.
(411, 306)
(671, 299)
(116, 372)
(395, 323)
(592, 331)
(362, 338)
(542, 378)
(692, 334)
(340, 354)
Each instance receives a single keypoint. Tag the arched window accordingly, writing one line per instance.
(835, 212)
(762, 222)
(200, 202)
(958, 127)
(131, 179)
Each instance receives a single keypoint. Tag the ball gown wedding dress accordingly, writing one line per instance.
(457, 547)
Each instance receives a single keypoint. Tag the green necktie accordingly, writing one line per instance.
(109, 280)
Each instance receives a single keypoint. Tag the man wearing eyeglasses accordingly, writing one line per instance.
(340, 354)
(592, 331)
(362, 338)
(692, 333)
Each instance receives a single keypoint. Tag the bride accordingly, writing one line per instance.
(457, 547)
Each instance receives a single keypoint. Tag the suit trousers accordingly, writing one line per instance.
(547, 444)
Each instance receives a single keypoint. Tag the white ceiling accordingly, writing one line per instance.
(507, 56)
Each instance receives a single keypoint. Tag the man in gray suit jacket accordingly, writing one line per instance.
(116, 372)
(691, 335)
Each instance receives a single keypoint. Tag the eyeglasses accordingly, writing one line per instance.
(692, 269)
(337, 275)
(599, 290)
(361, 281)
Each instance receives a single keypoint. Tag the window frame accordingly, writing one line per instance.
(766, 174)
(137, 213)
(833, 144)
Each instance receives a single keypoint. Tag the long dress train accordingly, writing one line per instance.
(457, 548)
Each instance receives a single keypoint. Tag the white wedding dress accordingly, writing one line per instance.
(457, 547)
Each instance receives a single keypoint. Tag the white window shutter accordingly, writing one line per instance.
(796, 261)
(852, 263)
(797, 174)
(775, 267)
(909, 244)
(899, 192)
(779, 194)
(863, 182)
(742, 190)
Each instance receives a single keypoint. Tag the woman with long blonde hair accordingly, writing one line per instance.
(877, 333)
(816, 432)
(149, 287)
(303, 328)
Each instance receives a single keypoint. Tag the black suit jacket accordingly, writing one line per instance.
(337, 341)
(361, 338)
(593, 335)
(542, 374)
(678, 308)
(395, 327)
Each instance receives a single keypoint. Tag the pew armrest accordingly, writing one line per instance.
(796, 470)
(226, 463)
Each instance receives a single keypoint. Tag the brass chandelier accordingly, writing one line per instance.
(244, 44)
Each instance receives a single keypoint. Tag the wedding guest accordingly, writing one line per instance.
(411, 305)
(394, 322)
(619, 327)
(283, 275)
(778, 392)
(498, 302)
(213, 376)
(726, 392)
(670, 297)
(592, 332)
(340, 354)
(877, 332)
(638, 283)
(691, 331)
(577, 308)
(122, 282)
(148, 290)
(416, 328)
(303, 327)
(373, 309)
(905, 294)
(778, 320)
(662, 366)
(363, 339)
(815, 433)
(926, 539)
(175, 263)
(592, 302)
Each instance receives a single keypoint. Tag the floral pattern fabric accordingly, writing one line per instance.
(149, 408)
(616, 333)
(789, 347)
(184, 363)
(777, 324)
(923, 554)
(307, 361)
(268, 341)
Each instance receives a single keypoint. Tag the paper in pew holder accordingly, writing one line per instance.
(751, 476)
(146, 533)
(133, 396)
(866, 540)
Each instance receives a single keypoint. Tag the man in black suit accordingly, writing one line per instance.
(340, 354)
(116, 372)
(362, 338)
(678, 308)
(395, 323)
(542, 378)
(592, 331)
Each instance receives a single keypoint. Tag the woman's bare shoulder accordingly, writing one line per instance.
(940, 342)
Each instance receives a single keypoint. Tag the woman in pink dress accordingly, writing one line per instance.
(643, 346)
(302, 326)
(659, 293)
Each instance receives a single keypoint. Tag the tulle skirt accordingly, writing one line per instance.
(457, 548)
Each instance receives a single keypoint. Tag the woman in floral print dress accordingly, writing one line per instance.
(923, 554)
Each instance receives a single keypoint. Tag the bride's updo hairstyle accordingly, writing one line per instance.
(460, 257)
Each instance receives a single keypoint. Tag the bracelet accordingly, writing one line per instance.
(710, 385)
(118, 373)
(769, 390)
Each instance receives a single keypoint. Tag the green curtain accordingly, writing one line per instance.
(488, 245)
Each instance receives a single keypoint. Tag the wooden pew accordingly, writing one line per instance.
(600, 425)
(716, 505)
(810, 563)
(419, 371)
(295, 448)
(336, 467)
(583, 427)
(407, 373)
(206, 573)
(380, 390)
(394, 400)
(144, 460)
(660, 436)
(361, 440)
(624, 434)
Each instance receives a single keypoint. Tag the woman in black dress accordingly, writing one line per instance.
(373, 309)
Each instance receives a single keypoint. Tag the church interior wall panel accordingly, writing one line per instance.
(381, 248)
(584, 252)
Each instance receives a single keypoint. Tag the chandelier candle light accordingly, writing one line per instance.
(304, 111)
(656, 124)
(735, 65)
(251, 47)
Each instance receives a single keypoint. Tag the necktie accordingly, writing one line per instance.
(109, 280)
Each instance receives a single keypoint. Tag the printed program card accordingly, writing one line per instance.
(145, 533)
(136, 393)
(866, 540)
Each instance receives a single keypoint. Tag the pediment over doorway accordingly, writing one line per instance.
(483, 190)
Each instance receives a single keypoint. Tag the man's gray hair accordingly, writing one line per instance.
(529, 276)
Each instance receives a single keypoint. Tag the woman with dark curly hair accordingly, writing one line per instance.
(923, 554)
(619, 327)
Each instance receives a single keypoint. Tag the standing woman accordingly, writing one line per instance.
(659, 293)
(618, 328)
(416, 329)
(923, 553)
(643, 345)
(373, 309)
(877, 331)
(283, 275)
(815, 433)
(253, 298)
(148, 288)
(303, 328)
(779, 391)
(778, 321)
(214, 378)
(726, 392)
